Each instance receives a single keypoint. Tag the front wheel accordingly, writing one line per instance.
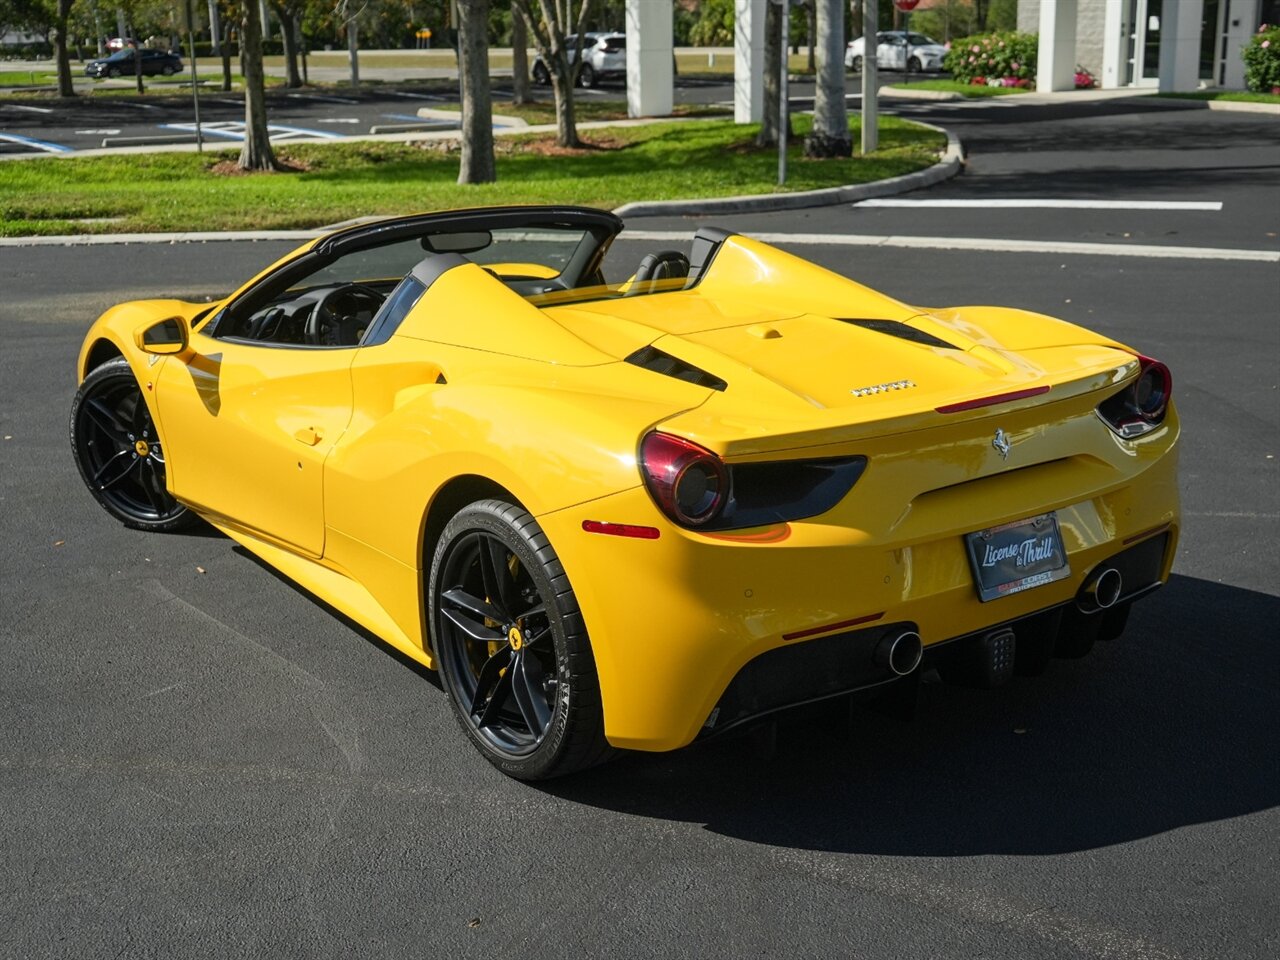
(119, 453)
(587, 78)
(168, 69)
(856, 64)
(541, 76)
(512, 646)
(913, 65)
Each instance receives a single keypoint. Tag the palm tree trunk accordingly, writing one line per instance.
(353, 50)
(477, 105)
(256, 154)
(830, 136)
(65, 89)
(520, 93)
(289, 37)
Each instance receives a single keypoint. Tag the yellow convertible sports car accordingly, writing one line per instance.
(635, 514)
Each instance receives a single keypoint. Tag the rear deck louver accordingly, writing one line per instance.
(900, 330)
(651, 358)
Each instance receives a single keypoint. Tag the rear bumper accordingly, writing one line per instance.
(674, 620)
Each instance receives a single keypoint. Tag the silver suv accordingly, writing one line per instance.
(606, 58)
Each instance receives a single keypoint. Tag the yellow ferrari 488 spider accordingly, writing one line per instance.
(634, 514)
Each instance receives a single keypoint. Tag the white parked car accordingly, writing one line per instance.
(606, 58)
(893, 52)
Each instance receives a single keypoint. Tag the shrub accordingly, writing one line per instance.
(993, 55)
(1084, 79)
(1262, 60)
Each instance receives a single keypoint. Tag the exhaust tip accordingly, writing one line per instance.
(1103, 590)
(901, 652)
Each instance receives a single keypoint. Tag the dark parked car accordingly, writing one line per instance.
(121, 63)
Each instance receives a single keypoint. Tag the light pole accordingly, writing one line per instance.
(784, 94)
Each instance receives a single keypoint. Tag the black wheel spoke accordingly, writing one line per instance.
(114, 469)
(469, 614)
(489, 678)
(153, 487)
(493, 710)
(530, 697)
(107, 420)
(496, 573)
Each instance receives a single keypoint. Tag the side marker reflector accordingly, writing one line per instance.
(831, 626)
(621, 529)
(992, 401)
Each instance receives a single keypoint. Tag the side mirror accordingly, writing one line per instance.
(163, 338)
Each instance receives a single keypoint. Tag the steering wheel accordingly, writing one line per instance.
(334, 321)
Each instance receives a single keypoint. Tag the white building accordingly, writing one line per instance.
(1171, 45)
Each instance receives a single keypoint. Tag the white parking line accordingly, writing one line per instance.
(336, 120)
(23, 106)
(1047, 204)
(98, 133)
(412, 96)
(316, 96)
(130, 103)
(987, 244)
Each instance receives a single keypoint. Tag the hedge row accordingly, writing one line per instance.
(993, 56)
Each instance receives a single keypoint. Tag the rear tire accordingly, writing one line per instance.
(857, 65)
(913, 65)
(587, 78)
(119, 453)
(541, 76)
(512, 647)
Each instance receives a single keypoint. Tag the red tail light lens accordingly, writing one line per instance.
(1141, 406)
(688, 482)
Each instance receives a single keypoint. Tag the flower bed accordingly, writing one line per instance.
(994, 59)
(1262, 60)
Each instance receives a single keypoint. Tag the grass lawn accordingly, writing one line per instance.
(955, 86)
(337, 181)
(1239, 96)
(27, 78)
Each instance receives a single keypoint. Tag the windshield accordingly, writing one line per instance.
(920, 40)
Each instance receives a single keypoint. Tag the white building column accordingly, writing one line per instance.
(1056, 62)
(1180, 45)
(748, 60)
(650, 81)
(1242, 17)
(1115, 46)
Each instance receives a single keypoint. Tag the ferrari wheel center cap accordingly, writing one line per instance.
(515, 638)
(142, 448)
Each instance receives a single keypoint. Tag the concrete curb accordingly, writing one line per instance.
(946, 168)
(1244, 106)
(906, 93)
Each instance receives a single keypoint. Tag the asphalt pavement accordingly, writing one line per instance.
(198, 758)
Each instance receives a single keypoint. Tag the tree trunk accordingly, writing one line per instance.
(830, 136)
(773, 53)
(477, 105)
(65, 89)
(215, 29)
(566, 123)
(520, 93)
(289, 37)
(811, 27)
(353, 50)
(137, 64)
(256, 153)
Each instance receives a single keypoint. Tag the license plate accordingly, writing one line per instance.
(1017, 556)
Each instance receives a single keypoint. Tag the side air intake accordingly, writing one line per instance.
(900, 330)
(651, 358)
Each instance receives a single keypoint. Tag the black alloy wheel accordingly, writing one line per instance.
(587, 77)
(857, 65)
(541, 76)
(511, 645)
(913, 65)
(119, 452)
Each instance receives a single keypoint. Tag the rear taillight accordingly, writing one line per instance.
(688, 482)
(1141, 406)
(695, 488)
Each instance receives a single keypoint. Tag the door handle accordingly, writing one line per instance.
(308, 435)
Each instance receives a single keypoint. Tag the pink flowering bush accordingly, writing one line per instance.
(1262, 60)
(993, 56)
(1084, 79)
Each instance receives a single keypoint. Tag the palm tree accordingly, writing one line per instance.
(830, 135)
(477, 104)
(256, 153)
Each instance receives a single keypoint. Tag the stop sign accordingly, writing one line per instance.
(906, 6)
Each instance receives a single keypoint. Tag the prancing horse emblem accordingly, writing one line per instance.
(1002, 444)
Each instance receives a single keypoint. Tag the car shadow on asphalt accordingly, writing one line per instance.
(1173, 724)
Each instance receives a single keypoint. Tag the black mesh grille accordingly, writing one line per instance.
(900, 330)
(651, 358)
